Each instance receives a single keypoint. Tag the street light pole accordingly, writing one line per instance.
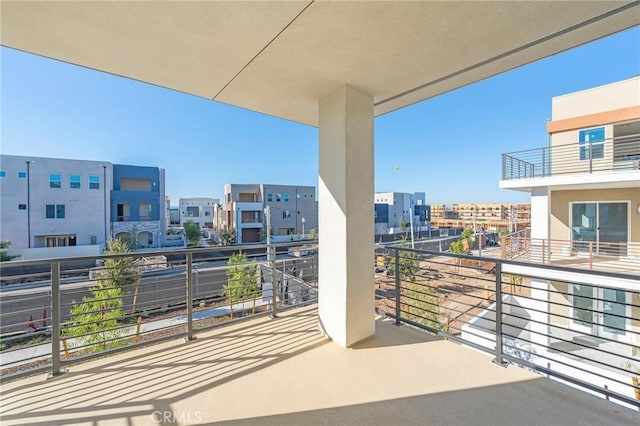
(29, 203)
(303, 221)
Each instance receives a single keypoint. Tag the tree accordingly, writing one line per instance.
(193, 233)
(242, 280)
(408, 263)
(313, 234)
(94, 321)
(227, 236)
(4, 256)
(120, 272)
(458, 248)
(466, 235)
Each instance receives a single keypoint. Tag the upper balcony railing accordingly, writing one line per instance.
(620, 153)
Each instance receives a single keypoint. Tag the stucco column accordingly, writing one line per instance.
(540, 217)
(346, 191)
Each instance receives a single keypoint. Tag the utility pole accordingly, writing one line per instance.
(267, 213)
(411, 224)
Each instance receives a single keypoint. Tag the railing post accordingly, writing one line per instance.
(590, 158)
(189, 300)
(274, 299)
(544, 162)
(55, 321)
(590, 254)
(498, 359)
(398, 290)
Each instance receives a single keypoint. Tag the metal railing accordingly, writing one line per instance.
(591, 255)
(621, 153)
(580, 328)
(60, 311)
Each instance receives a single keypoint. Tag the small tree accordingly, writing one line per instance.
(193, 233)
(227, 236)
(94, 322)
(458, 248)
(466, 235)
(4, 256)
(408, 263)
(242, 280)
(313, 234)
(120, 272)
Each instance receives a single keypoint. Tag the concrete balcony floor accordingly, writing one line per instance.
(284, 372)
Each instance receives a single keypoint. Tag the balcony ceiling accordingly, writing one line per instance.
(280, 58)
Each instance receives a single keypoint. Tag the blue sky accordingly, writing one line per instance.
(448, 146)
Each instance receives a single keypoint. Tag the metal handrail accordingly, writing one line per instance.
(508, 317)
(619, 153)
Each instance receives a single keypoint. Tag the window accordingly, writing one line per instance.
(74, 181)
(22, 175)
(591, 142)
(94, 182)
(286, 214)
(269, 197)
(278, 197)
(286, 197)
(22, 206)
(55, 180)
(193, 211)
(93, 240)
(55, 211)
(207, 213)
(3, 174)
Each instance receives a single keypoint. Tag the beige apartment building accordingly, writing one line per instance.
(493, 216)
(294, 211)
(585, 199)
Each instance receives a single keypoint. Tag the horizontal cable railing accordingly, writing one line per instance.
(620, 153)
(564, 323)
(55, 312)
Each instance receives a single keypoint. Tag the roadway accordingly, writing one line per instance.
(157, 290)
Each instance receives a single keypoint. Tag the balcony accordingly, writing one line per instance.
(611, 155)
(589, 255)
(455, 319)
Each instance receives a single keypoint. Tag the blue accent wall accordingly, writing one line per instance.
(382, 213)
(135, 198)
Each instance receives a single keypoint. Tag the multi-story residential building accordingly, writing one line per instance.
(137, 205)
(399, 206)
(49, 202)
(294, 210)
(199, 210)
(585, 212)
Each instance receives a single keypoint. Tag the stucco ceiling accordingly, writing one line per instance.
(280, 58)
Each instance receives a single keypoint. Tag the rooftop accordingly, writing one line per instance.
(284, 371)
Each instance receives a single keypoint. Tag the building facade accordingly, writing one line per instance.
(585, 204)
(294, 210)
(138, 213)
(200, 210)
(49, 202)
(396, 207)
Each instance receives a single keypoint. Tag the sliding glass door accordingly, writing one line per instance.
(600, 226)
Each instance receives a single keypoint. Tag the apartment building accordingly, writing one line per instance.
(200, 210)
(138, 213)
(294, 210)
(585, 207)
(50, 202)
(394, 208)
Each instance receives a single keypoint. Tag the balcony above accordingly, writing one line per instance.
(284, 371)
(614, 161)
